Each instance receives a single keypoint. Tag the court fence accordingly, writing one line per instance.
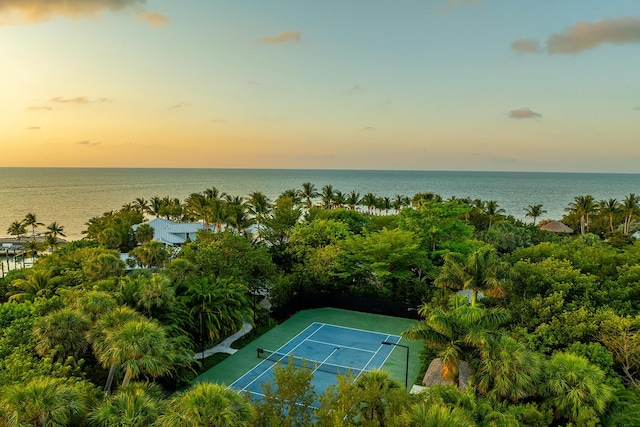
(347, 302)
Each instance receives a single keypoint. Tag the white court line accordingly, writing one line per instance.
(372, 357)
(290, 352)
(360, 330)
(283, 345)
(340, 345)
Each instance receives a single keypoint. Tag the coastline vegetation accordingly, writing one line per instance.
(550, 330)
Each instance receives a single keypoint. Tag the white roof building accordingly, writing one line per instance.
(173, 233)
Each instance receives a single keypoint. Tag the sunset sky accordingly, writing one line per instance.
(512, 85)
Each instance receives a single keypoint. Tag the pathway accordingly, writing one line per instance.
(225, 346)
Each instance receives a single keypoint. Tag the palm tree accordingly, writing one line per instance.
(369, 200)
(377, 388)
(106, 324)
(482, 271)
(208, 404)
(141, 347)
(308, 193)
(457, 332)
(141, 205)
(54, 229)
(439, 415)
(400, 201)
(631, 206)
(156, 296)
(138, 404)
(17, 228)
(509, 370)
(339, 199)
(386, 204)
(259, 207)
(155, 206)
(327, 196)
(352, 200)
(610, 208)
(219, 304)
(582, 206)
(31, 220)
(151, 254)
(292, 194)
(534, 211)
(492, 209)
(238, 213)
(197, 208)
(36, 283)
(45, 402)
(61, 334)
(576, 389)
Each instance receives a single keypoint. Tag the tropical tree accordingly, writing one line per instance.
(155, 205)
(576, 389)
(582, 206)
(107, 324)
(492, 209)
(144, 233)
(631, 207)
(45, 402)
(61, 334)
(369, 200)
(308, 192)
(399, 202)
(151, 254)
(196, 207)
(54, 229)
(136, 405)
(31, 220)
(17, 228)
(424, 414)
(352, 200)
(259, 207)
(36, 283)
(534, 211)
(381, 397)
(456, 332)
(141, 347)
(328, 193)
(207, 404)
(508, 369)
(481, 271)
(141, 205)
(156, 297)
(609, 208)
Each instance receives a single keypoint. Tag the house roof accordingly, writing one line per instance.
(172, 233)
(556, 227)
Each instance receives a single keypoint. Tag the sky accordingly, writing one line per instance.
(487, 85)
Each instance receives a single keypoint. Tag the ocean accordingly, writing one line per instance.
(70, 196)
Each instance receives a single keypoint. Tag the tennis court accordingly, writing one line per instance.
(313, 335)
(328, 350)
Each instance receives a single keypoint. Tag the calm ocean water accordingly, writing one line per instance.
(71, 196)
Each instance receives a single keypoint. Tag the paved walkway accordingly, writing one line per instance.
(225, 346)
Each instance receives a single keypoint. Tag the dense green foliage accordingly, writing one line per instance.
(550, 331)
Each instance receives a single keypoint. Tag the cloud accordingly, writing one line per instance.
(283, 37)
(154, 18)
(177, 106)
(368, 128)
(39, 108)
(585, 35)
(88, 143)
(526, 46)
(78, 100)
(33, 128)
(524, 113)
(33, 11)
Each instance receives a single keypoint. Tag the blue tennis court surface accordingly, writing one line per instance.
(328, 350)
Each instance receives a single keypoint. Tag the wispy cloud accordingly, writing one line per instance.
(526, 46)
(39, 108)
(584, 36)
(283, 37)
(79, 100)
(637, 109)
(88, 143)
(33, 11)
(178, 106)
(154, 18)
(524, 113)
(33, 128)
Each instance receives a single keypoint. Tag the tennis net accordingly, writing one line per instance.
(314, 365)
